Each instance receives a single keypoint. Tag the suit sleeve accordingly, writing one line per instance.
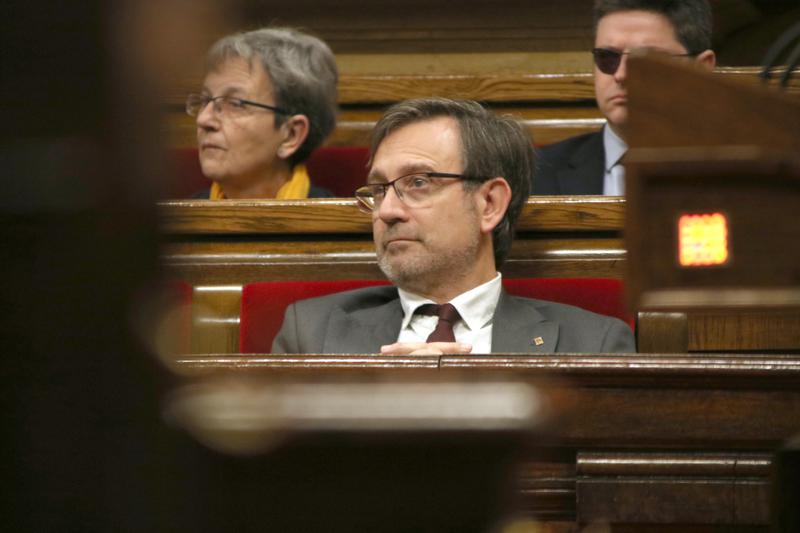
(286, 341)
(619, 338)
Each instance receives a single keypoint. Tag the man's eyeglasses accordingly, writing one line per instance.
(608, 59)
(225, 105)
(414, 190)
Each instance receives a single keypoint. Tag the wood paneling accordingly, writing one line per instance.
(753, 331)
(437, 26)
(237, 242)
(635, 439)
(215, 318)
(662, 332)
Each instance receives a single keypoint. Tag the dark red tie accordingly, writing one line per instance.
(448, 315)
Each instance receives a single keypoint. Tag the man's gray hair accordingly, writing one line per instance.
(302, 70)
(491, 146)
(691, 19)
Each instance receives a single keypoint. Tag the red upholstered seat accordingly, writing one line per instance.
(341, 170)
(264, 303)
(604, 296)
(187, 178)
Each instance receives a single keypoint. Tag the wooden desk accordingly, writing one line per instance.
(636, 439)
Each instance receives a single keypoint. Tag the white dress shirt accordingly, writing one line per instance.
(476, 307)
(614, 178)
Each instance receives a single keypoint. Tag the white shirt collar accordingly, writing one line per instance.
(476, 306)
(614, 147)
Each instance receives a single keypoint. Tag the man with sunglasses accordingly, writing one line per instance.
(591, 163)
(446, 184)
(268, 100)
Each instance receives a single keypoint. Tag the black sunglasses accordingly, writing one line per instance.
(608, 59)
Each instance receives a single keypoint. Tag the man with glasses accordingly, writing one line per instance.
(268, 100)
(591, 163)
(446, 184)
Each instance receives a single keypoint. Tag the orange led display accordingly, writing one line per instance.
(703, 239)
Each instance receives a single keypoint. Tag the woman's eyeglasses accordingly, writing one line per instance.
(225, 105)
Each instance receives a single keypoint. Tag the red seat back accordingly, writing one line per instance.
(604, 296)
(187, 177)
(264, 303)
(340, 169)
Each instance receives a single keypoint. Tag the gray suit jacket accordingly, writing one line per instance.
(572, 166)
(362, 320)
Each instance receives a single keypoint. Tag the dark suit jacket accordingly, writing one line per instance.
(572, 166)
(362, 320)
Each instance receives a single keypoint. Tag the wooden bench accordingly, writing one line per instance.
(553, 106)
(217, 247)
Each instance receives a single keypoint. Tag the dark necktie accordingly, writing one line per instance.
(448, 315)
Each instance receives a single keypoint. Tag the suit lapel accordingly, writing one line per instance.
(518, 327)
(363, 331)
(585, 169)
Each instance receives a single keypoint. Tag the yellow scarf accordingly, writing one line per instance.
(295, 189)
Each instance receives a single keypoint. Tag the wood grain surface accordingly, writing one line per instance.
(341, 216)
(552, 106)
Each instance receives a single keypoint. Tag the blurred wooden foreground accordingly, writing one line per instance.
(643, 440)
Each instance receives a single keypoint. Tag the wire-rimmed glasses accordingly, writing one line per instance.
(225, 105)
(414, 190)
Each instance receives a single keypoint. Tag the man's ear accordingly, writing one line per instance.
(295, 132)
(494, 197)
(707, 59)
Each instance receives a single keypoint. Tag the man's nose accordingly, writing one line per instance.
(391, 207)
(622, 70)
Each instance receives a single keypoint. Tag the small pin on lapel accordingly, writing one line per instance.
(538, 341)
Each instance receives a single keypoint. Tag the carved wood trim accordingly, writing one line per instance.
(696, 487)
(724, 371)
(360, 89)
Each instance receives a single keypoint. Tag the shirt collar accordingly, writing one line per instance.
(476, 306)
(614, 147)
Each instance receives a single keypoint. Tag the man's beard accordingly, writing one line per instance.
(421, 272)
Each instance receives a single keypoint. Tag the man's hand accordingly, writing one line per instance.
(425, 348)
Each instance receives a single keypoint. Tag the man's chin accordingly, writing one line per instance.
(394, 268)
(618, 116)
